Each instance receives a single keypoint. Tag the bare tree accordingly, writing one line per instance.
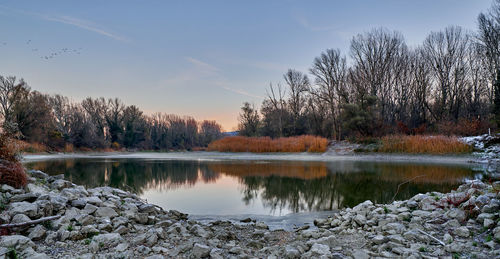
(446, 53)
(10, 90)
(329, 70)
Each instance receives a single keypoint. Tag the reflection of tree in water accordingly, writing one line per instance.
(297, 186)
(348, 184)
(133, 175)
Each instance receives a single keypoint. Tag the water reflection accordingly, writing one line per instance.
(276, 187)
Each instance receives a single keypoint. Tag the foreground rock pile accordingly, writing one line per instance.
(106, 222)
(463, 223)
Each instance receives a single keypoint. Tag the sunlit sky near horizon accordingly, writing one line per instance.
(197, 58)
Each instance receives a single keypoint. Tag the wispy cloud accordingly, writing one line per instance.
(205, 67)
(241, 92)
(84, 24)
(65, 19)
(304, 22)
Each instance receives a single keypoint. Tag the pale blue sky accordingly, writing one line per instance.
(198, 58)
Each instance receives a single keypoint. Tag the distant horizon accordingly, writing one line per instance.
(195, 59)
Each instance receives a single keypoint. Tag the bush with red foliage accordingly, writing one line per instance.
(11, 170)
(12, 173)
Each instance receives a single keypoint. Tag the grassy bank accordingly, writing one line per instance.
(265, 144)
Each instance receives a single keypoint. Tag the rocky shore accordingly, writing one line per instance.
(54, 218)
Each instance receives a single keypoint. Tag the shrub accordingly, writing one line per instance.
(12, 173)
(424, 145)
(11, 170)
(304, 143)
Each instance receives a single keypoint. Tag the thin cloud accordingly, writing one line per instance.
(80, 23)
(202, 65)
(83, 24)
(241, 92)
(306, 24)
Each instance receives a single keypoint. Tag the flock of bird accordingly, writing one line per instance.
(53, 54)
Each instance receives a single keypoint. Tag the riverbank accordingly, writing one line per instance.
(106, 222)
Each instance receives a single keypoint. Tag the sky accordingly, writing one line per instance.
(196, 58)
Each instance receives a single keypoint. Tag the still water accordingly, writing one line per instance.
(232, 187)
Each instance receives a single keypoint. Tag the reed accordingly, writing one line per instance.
(422, 144)
(304, 143)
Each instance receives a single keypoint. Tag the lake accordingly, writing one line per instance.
(203, 186)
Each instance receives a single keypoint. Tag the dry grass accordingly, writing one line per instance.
(421, 144)
(304, 143)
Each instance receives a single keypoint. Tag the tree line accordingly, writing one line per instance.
(448, 84)
(95, 123)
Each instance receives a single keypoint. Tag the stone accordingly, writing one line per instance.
(37, 233)
(121, 230)
(487, 223)
(261, 225)
(60, 184)
(106, 212)
(496, 233)
(89, 209)
(360, 219)
(79, 203)
(37, 189)
(360, 254)
(29, 197)
(462, 232)
(447, 238)
(20, 218)
(146, 208)
(200, 251)
(121, 247)
(107, 240)
(379, 239)
(16, 241)
(38, 174)
(291, 252)
(93, 200)
(320, 250)
(23, 207)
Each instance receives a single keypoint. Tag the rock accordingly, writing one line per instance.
(29, 197)
(360, 254)
(106, 212)
(146, 208)
(320, 250)
(37, 189)
(20, 218)
(93, 200)
(200, 251)
(291, 252)
(107, 240)
(121, 247)
(487, 223)
(79, 203)
(462, 232)
(261, 225)
(379, 239)
(447, 238)
(246, 220)
(26, 208)
(37, 233)
(496, 233)
(60, 184)
(16, 241)
(38, 174)
(89, 209)
(360, 219)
